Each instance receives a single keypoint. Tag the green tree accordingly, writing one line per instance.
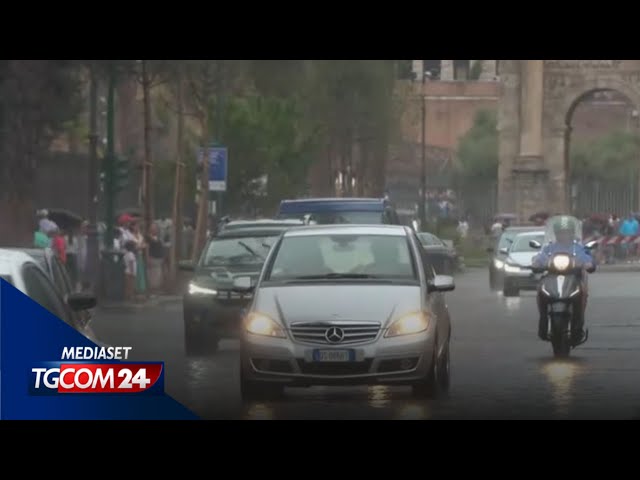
(264, 137)
(612, 157)
(37, 99)
(478, 150)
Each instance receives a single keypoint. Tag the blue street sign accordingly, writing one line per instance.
(218, 159)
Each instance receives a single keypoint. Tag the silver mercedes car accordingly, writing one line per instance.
(346, 305)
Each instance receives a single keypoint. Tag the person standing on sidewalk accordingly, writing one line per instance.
(130, 270)
(59, 245)
(156, 259)
(141, 255)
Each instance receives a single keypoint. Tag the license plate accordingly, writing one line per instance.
(333, 355)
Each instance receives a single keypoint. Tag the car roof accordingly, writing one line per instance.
(522, 228)
(33, 252)
(335, 199)
(348, 229)
(251, 231)
(316, 205)
(10, 257)
(530, 233)
(266, 222)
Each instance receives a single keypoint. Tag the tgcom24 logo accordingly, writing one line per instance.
(96, 370)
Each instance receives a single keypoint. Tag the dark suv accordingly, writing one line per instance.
(500, 252)
(212, 309)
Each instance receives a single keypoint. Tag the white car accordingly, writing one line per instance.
(517, 271)
(25, 274)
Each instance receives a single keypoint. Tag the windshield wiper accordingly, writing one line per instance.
(330, 276)
(249, 249)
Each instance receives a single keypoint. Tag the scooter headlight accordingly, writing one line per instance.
(561, 262)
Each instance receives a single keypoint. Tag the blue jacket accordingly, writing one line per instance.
(581, 253)
(629, 227)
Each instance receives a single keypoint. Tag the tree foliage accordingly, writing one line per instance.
(612, 157)
(478, 149)
(37, 99)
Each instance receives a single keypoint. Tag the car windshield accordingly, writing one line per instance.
(507, 239)
(237, 251)
(429, 239)
(331, 218)
(343, 256)
(521, 243)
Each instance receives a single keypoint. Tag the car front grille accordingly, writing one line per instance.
(320, 332)
(335, 368)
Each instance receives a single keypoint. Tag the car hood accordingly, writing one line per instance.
(321, 303)
(223, 276)
(522, 258)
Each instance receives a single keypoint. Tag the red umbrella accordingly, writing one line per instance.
(125, 219)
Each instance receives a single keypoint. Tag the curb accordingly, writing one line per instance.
(155, 302)
(619, 268)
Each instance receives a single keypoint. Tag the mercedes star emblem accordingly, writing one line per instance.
(334, 335)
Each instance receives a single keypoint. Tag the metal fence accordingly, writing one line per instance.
(589, 196)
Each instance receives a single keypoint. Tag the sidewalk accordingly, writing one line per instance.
(619, 267)
(153, 301)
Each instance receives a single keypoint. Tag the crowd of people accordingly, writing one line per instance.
(145, 252)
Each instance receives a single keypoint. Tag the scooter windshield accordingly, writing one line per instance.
(570, 230)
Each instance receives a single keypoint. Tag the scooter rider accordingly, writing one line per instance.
(564, 228)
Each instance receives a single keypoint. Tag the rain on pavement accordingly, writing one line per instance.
(499, 368)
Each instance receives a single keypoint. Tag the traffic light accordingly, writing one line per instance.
(114, 176)
(121, 174)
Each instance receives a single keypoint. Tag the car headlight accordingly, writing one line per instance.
(498, 263)
(511, 268)
(260, 324)
(561, 262)
(197, 290)
(412, 323)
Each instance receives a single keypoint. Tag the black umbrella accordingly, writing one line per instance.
(65, 219)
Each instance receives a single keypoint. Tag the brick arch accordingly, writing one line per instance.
(574, 96)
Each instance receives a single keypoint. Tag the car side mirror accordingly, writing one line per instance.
(242, 284)
(592, 245)
(442, 283)
(81, 301)
(535, 244)
(504, 251)
(186, 266)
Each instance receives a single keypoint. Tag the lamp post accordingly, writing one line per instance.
(423, 167)
(93, 249)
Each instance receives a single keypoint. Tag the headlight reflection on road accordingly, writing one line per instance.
(413, 411)
(561, 375)
(512, 304)
(379, 396)
(259, 411)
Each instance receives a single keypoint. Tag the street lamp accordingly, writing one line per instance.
(423, 167)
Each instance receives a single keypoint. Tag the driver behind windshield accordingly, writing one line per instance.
(564, 229)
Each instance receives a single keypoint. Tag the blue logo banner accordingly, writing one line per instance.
(32, 342)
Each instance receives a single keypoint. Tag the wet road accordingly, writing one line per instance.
(500, 370)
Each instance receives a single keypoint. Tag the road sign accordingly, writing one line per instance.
(218, 160)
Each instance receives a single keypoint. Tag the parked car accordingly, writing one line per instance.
(340, 210)
(517, 273)
(346, 304)
(27, 275)
(58, 274)
(211, 308)
(443, 256)
(500, 250)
